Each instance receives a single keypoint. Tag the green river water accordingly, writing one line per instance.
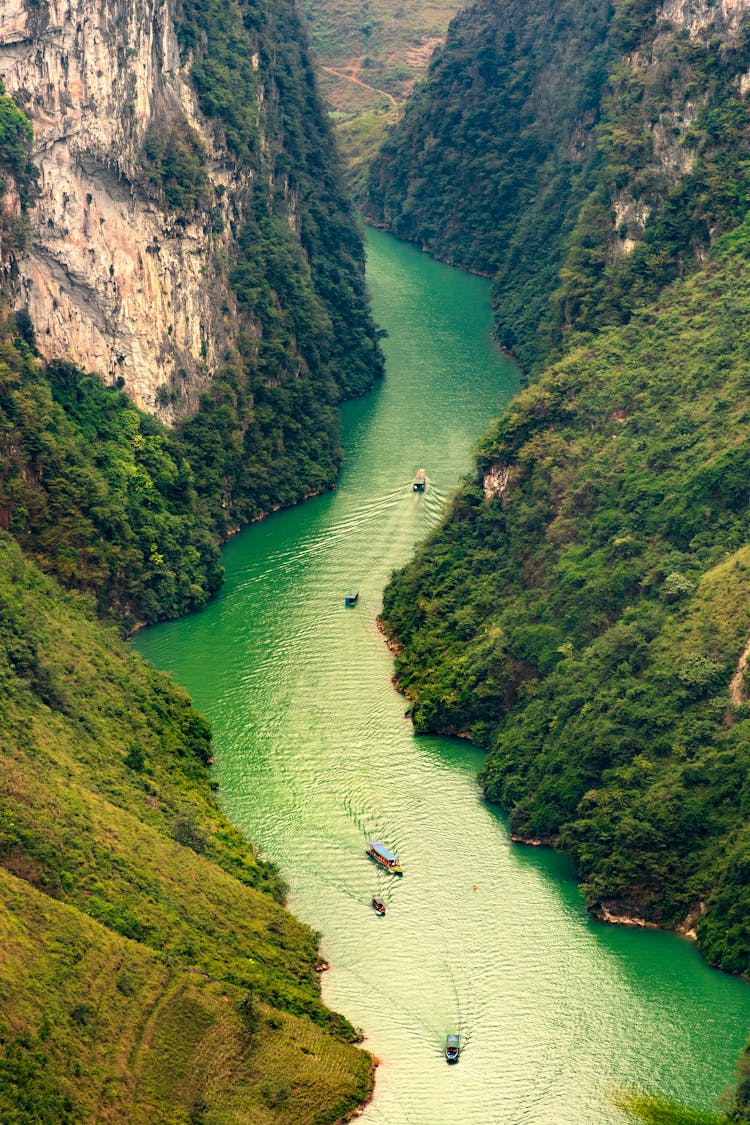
(314, 755)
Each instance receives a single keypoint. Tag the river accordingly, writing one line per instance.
(314, 755)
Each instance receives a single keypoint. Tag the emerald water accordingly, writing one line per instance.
(314, 755)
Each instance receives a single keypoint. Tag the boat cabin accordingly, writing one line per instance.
(420, 481)
(384, 856)
(378, 905)
(452, 1048)
(351, 598)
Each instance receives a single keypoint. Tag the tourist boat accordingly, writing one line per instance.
(385, 857)
(420, 481)
(378, 905)
(351, 598)
(452, 1048)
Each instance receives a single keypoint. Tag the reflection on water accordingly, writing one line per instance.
(315, 756)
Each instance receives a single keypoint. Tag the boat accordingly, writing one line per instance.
(384, 856)
(351, 598)
(378, 905)
(452, 1048)
(420, 481)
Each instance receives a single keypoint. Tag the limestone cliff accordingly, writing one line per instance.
(114, 281)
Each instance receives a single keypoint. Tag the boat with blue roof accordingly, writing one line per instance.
(384, 856)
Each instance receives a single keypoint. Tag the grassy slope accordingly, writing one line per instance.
(143, 955)
(387, 47)
(585, 622)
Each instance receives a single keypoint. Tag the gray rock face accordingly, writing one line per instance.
(114, 281)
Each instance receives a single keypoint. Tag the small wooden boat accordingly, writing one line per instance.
(384, 856)
(378, 905)
(351, 598)
(420, 481)
(452, 1048)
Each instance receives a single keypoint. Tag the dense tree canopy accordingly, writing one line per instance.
(583, 609)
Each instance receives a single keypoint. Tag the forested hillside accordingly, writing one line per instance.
(149, 971)
(99, 493)
(582, 611)
(267, 431)
(583, 157)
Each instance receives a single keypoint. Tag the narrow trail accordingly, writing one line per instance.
(736, 693)
(359, 82)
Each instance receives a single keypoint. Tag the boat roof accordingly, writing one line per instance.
(382, 850)
(452, 1040)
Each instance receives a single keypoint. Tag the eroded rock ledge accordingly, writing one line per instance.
(114, 281)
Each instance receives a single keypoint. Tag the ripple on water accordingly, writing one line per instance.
(314, 756)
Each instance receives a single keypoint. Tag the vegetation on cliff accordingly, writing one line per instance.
(546, 141)
(583, 609)
(15, 159)
(148, 972)
(267, 434)
(99, 493)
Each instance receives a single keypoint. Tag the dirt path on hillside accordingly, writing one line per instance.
(359, 82)
(736, 693)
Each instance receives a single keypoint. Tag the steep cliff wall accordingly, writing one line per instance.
(547, 160)
(582, 610)
(115, 281)
(186, 240)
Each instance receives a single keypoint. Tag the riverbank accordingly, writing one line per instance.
(314, 756)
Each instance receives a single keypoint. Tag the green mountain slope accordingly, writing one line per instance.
(99, 493)
(582, 156)
(267, 433)
(583, 610)
(147, 972)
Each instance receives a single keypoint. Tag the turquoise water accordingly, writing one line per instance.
(314, 755)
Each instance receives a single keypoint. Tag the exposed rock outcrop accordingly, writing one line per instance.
(496, 481)
(699, 16)
(114, 281)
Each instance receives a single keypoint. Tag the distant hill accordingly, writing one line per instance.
(368, 58)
